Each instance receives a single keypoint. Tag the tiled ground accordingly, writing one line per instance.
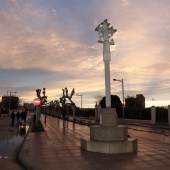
(59, 149)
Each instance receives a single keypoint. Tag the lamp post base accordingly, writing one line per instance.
(108, 137)
(127, 146)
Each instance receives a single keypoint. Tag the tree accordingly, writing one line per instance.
(98, 98)
(115, 103)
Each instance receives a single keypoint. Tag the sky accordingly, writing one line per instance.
(53, 44)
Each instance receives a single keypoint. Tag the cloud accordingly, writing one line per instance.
(54, 44)
(125, 2)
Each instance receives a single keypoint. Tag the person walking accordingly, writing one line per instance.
(18, 117)
(64, 119)
(13, 117)
(24, 115)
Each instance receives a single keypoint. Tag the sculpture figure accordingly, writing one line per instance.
(65, 95)
(63, 92)
(66, 90)
(72, 93)
(38, 93)
(43, 101)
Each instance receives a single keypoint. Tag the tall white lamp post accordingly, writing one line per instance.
(122, 95)
(105, 32)
(10, 100)
(108, 137)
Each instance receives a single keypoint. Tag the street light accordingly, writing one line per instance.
(81, 101)
(122, 95)
(10, 100)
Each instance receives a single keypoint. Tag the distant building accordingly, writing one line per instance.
(135, 102)
(12, 101)
(29, 106)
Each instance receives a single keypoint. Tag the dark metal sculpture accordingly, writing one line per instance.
(44, 97)
(66, 96)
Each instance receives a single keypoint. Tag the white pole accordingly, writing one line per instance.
(123, 99)
(105, 32)
(107, 83)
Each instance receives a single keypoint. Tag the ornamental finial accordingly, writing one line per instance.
(105, 32)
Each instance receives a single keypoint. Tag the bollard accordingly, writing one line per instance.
(153, 115)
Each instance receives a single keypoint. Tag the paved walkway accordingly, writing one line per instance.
(59, 149)
(11, 138)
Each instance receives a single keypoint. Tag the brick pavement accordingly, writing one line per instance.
(10, 141)
(59, 149)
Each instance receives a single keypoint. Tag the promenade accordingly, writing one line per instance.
(59, 149)
(11, 138)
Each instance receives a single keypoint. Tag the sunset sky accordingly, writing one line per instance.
(53, 44)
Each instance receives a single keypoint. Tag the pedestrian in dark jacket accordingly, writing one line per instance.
(18, 117)
(24, 115)
(13, 117)
(64, 119)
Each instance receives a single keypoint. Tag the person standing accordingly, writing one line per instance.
(13, 117)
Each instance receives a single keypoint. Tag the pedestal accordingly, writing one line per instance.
(108, 137)
(153, 115)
